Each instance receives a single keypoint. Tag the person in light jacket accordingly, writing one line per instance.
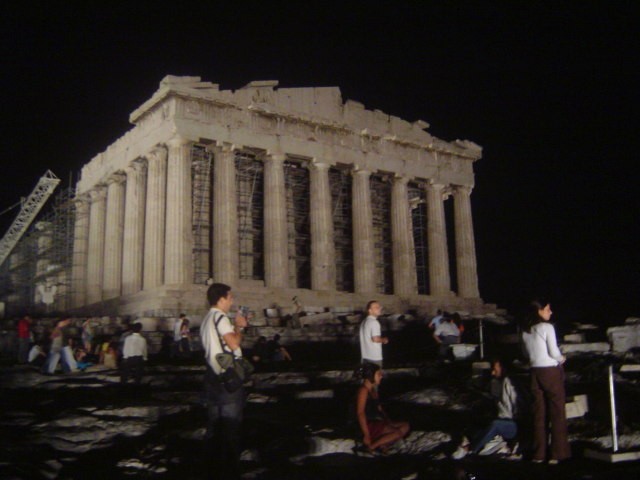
(547, 384)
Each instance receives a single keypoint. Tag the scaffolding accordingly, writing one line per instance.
(250, 195)
(37, 277)
(17, 272)
(381, 210)
(296, 178)
(340, 182)
(451, 239)
(201, 177)
(417, 202)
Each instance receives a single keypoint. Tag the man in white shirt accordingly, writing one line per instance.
(437, 320)
(134, 354)
(445, 335)
(224, 408)
(371, 339)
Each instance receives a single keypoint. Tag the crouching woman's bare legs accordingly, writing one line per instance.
(392, 432)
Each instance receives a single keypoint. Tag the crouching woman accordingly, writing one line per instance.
(378, 431)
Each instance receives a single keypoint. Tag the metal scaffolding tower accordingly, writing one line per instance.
(417, 202)
(201, 161)
(340, 182)
(381, 209)
(250, 192)
(38, 275)
(296, 177)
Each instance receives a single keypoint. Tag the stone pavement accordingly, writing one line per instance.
(297, 424)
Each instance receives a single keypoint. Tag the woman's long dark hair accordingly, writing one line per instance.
(531, 316)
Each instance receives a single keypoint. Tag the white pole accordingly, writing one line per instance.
(612, 402)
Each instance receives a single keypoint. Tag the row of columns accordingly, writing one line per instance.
(134, 231)
(323, 272)
(145, 212)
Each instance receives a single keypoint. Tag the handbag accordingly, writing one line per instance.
(234, 370)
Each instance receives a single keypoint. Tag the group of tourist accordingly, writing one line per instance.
(546, 385)
(265, 351)
(60, 349)
(220, 335)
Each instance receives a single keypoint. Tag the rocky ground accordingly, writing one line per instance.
(297, 423)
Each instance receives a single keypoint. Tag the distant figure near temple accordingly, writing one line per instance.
(24, 338)
(445, 335)
(57, 338)
(275, 351)
(134, 355)
(87, 335)
(177, 335)
(371, 339)
(437, 320)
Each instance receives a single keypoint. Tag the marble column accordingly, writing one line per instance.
(95, 260)
(362, 221)
(226, 253)
(114, 229)
(178, 258)
(323, 253)
(153, 270)
(80, 252)
(439, 277)
(465, 244)
(405, 280)
(276, 249)
(134, 227)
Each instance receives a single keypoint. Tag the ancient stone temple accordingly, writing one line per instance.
(279, 192)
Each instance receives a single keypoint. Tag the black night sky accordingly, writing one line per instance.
(548, 90)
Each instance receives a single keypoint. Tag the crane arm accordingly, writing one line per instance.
(30, 209)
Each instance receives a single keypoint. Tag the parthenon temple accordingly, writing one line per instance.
(279, 192)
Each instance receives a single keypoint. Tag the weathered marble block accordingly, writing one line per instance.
(585, 347)
(463, 350)
(576, 406)
(574, 338)
(624, 337)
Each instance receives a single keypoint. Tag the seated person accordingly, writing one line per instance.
(259, 350)
(504, 394)
(37, 356)
(109, 353)
(275, 351)
(82, 359)
(378, 431)
(185, 342)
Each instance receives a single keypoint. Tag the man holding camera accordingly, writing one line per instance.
(224, 408)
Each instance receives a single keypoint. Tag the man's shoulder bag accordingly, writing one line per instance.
(234, 370)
